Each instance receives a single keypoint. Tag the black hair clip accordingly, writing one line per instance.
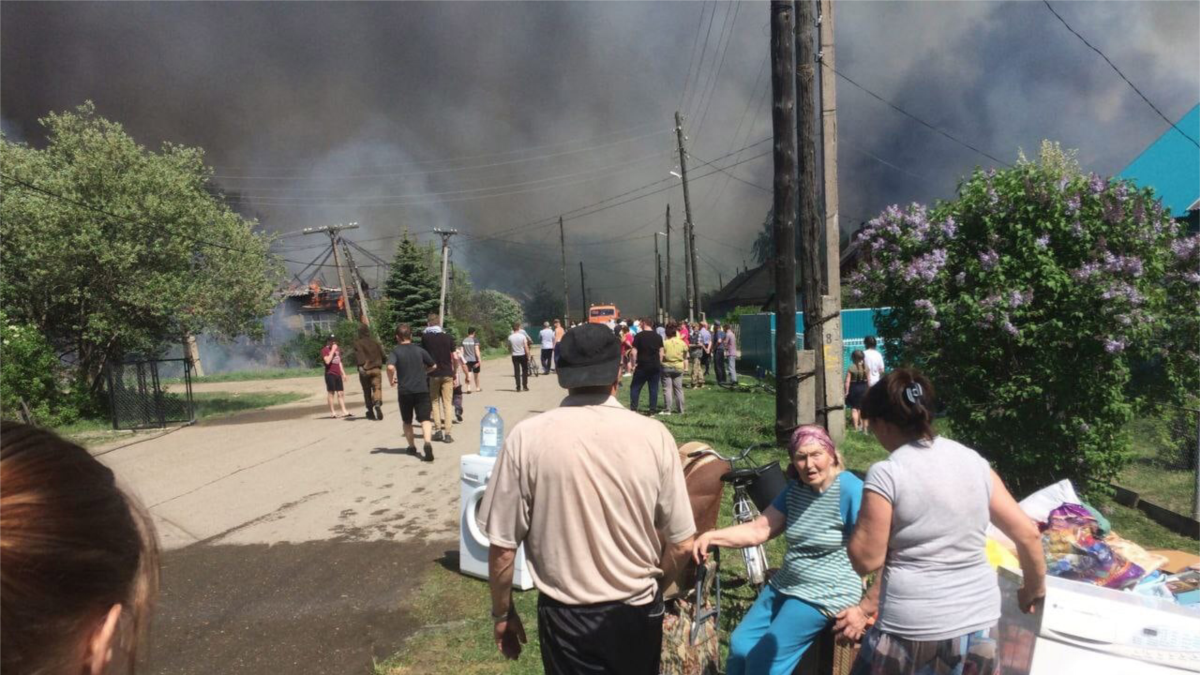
(913, 392)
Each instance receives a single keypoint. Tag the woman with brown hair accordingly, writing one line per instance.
(78, 559)
(856, 388)
(925, 512)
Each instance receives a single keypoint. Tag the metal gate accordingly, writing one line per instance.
(150, 393)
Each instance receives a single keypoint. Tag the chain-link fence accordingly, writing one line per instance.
(150, 393)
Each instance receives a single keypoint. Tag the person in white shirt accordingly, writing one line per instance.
(547, 337)
(873, 361)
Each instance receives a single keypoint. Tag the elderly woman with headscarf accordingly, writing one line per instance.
(816, 584)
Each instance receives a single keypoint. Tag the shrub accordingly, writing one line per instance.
(1027, 300)
(33, 374)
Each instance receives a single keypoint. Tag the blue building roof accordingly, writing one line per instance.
(1171, 165)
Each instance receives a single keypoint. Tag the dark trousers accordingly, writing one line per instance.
(643, 375)
(521, 371)
(546, 356)
(610, 638)
(720, 363)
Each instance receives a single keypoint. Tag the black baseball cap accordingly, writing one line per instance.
(588, 356)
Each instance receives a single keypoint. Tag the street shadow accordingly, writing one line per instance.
(448, 561)
(389, 451)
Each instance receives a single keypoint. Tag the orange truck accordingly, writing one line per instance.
(603, 314)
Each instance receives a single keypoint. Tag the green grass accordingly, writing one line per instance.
(207, 405)
(249, 375)
(457, 636)
(1151, 477)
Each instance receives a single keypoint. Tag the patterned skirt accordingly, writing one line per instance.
(971, 654)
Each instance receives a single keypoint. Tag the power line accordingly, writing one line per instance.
(691, 60)
(920, 121)
(1118, 72)
(715, 80)
(703, 51)
(730, 174)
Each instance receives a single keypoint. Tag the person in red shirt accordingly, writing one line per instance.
(335, 376)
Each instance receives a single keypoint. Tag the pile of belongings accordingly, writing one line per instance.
(1079, 544)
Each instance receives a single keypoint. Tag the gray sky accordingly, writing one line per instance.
(495, 117)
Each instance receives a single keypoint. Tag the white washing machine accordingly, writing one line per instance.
(472, 543)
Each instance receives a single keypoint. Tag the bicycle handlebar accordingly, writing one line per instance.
(745, 453)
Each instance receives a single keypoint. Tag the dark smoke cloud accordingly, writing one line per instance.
(313, 91)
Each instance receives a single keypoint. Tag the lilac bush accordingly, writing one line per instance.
(1027, 300)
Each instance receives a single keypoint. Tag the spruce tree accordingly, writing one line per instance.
(411, 289)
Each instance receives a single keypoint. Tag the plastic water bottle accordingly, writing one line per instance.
(491, 433)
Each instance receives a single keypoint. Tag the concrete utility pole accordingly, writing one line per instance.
(445, 235)
(562, 242)
(357, 277)
(335, 241)
(583, 292)
(689, 249)
(835, 394)
(667, 291)
(783, 120)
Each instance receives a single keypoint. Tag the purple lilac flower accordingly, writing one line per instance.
(1084, 427)
(1077, 229)
(1184, 247)
(926, 306)
(1087, 271)
(993, 198)
(1010, 329)
(926, 267)
(1063, 183)
(1097, 184)
(1123, 319)
(960, 278)
(1121, 192)
(1043, 241)
(1192, 278)
(1073, 204)
(1019, 298)
(989, 259)
(1122, 290)
(1114, 346)
(949, 227)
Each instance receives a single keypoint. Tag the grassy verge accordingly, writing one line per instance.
(1153, 478)
(248, 375)
(207, 405)
(454, 609)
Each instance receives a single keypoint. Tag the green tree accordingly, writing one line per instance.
(543, 305)
(411, 288)
(1028, 300)
(116, 249)
(499, 312)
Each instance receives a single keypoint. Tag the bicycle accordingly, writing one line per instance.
(751, 485)
(764, 381)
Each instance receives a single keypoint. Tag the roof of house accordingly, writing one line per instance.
(1171, 165)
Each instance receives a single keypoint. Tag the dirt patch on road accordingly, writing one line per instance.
(323, 608)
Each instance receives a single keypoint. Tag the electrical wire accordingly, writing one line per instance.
(717, 76)
(729, 174)
(1118, 72)
(692, 59)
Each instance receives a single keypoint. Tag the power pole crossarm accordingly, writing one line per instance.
(334, 232)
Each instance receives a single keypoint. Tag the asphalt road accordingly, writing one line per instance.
(293, 541)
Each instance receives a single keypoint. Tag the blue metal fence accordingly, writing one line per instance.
(756, 338)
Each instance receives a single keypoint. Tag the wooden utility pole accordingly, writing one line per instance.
(783, 119)
(689, 251)
(335, 241)
(562, 242)
(657, 280)
(583, 292)
(445, 235)
(835, 394)
(358, 287)
(667, 286)
(809, 222)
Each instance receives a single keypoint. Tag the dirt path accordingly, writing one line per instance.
(287, 528)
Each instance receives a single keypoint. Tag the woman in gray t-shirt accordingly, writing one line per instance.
(923, 520)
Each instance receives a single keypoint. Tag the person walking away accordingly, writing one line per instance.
(719, 361)
(335, 376)
(441, 380)
(706, 340)
(473, 363)
(547, 337)
(856, 388)
(695, 357)
(674, 365)
(597, 496)
(558, 336)
(925, 512)
(368, 355)
(684, 331)
(460, 372)
(731, 354)
(647, 355)
(873, 361)
(816, 513)
(518, 346)
(408, 369)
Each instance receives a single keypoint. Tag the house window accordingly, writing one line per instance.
(319, 323)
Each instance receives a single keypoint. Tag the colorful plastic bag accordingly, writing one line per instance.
(1074, 550)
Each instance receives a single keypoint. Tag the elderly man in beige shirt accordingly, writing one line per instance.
(597, 496)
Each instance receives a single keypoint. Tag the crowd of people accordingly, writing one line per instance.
(597, 495)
